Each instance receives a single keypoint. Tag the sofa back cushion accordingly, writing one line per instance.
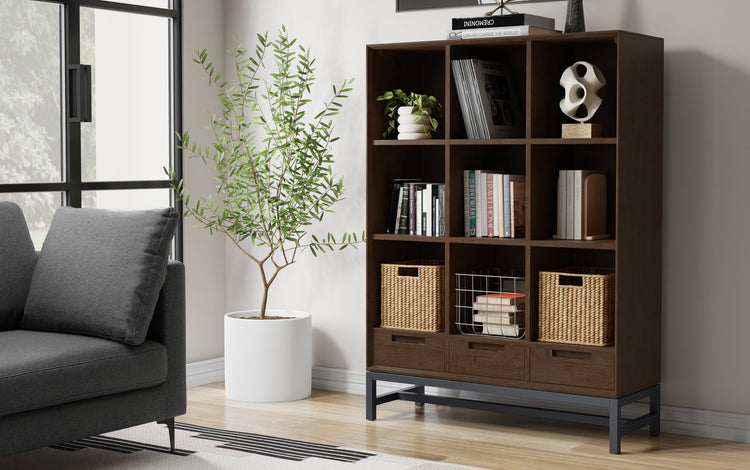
(99, 273)
(17, 257)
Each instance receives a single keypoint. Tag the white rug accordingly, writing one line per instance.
(202, 448)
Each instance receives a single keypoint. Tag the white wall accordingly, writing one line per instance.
(205, 256)
(705, 319)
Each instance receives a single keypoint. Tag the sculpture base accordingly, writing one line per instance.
(581, 131)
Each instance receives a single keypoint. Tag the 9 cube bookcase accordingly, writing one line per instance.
(630, 153)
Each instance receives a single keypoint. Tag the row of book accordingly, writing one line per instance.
(417, 208)
(500, 26)
(494, 204)
(488, 100)
(500, 313)
(582, 204)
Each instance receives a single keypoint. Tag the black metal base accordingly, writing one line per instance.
(170, 426)
(618, 426)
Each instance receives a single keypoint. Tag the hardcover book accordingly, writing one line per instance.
(495, 21)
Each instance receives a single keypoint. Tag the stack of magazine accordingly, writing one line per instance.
(500, 26)
(489, 104)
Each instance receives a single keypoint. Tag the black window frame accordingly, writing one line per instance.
(72, 185)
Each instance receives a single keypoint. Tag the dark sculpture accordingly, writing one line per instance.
(574, 22)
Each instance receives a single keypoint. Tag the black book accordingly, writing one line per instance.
(498, 21)
(392, 223)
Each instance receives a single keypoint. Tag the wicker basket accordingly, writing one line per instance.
(412, 295)
(576, 305)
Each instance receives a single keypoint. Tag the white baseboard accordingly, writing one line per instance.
(677, 420)
(205, 372)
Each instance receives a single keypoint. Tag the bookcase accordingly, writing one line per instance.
(630, 153)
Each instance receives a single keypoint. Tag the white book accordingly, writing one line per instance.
(570, 204)
(498, 32)
(498, 204)
(427, 207)
(562, 191)
(478, 201)
(418, 213)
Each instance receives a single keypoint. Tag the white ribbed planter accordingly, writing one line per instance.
(411, 126)
(268, 360)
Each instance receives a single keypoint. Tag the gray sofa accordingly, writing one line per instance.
(73, 361)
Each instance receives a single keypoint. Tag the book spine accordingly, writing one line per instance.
(391, 221)
(562, 179)
(479, 201)
(491, 205)
(570, 204)
(506, 206)
(578, 205)
(427, 206)
(403, 224)
(496, 21)
(412, 209)
(441, 206)
(467, 232)
(499, 222)
(472, 204)
(399, 206)
(420, 214)
(501, 32)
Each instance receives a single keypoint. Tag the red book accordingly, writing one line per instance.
(502, 298)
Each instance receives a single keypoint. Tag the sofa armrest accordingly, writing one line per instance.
(168, 328)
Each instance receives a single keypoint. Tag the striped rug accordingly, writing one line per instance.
(200, 447)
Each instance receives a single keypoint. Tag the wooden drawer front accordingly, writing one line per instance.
(411, 351)
(473, 355)
(569, 367)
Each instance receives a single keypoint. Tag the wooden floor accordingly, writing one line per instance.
(457, 435)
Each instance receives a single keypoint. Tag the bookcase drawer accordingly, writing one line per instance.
(474, 355)
(409, 350)
(564, 366)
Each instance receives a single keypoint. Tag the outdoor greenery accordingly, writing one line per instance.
(273, 160)
(426, 110)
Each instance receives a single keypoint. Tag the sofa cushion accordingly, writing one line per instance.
(17, 257)
(40, 369)
(99, 273)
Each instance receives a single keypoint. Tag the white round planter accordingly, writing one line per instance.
(268, 360)
(412, 126)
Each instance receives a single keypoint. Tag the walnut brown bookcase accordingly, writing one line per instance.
(630, 152)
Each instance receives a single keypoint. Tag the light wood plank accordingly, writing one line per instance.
(456, 435)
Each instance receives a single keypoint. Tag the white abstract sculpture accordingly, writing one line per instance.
(580, 90)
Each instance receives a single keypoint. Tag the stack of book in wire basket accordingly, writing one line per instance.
(490, 302)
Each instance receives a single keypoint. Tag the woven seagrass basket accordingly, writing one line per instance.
(412, 294)
(576, 305)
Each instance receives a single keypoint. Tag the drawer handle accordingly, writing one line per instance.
(486, 346)
(407, 339)
(408, 272)
(571, 354)
(576, 281)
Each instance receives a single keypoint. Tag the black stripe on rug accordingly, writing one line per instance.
(277, 447)
(114, 444)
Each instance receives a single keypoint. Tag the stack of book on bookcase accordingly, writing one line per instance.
(500, 26)
(500, 313)
(417, 208)
(582, 205)
(494, 204)
(487, 96)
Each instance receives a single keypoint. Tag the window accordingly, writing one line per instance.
(90, 105)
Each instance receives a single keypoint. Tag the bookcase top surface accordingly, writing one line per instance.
(437, 45)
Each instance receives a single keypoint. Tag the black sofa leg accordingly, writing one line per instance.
(170, 426)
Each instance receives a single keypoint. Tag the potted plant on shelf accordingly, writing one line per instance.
(274, 162)
(411, 116)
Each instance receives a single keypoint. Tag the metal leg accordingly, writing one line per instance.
(170, 427)
(615, 414)
(655, 409)
(419, 390)
(371, 394)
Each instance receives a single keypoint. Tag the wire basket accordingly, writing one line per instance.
(491, 302)
(576, 305)
(412, 294)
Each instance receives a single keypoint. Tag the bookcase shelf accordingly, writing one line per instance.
(629, 154)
